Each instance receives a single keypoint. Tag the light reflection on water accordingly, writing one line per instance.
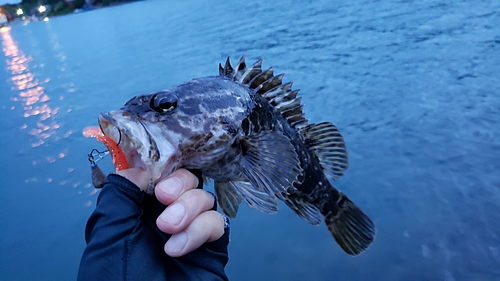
(40, 114)
(32, 95)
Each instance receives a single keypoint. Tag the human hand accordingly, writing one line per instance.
(188, 217)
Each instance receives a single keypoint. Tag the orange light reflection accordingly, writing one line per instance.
(31, 92)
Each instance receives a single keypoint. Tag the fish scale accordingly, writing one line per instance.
(247, 131)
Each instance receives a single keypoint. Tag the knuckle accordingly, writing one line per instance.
(200, 199)
(189, 180)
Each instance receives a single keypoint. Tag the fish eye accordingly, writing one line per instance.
(163, 102)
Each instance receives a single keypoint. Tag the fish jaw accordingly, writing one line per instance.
(144, 146)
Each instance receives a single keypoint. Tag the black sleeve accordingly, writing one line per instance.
(123, 242)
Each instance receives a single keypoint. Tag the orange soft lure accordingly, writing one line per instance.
(119, 158)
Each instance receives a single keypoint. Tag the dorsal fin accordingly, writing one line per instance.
(240, 69)
(249, 74)
(270, 87)
(270, 83)
(329, 146)
(260, 78)
(227, 70)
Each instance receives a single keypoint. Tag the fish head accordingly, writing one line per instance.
(190, 126)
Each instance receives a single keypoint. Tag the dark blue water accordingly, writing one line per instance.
(413, 86)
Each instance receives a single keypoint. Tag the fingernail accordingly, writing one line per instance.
(176, 243)
(173, 214)
(171, 186)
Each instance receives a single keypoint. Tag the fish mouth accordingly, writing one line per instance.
(142, 143)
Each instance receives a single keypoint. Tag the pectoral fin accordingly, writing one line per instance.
(230, 194)
(259, 200)
(270, 162)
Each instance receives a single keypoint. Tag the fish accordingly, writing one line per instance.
(246, 130)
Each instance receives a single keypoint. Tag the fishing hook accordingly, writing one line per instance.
(96, 155)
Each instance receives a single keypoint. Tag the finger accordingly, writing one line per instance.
(169, 189)
(184, 210)
(207, 227)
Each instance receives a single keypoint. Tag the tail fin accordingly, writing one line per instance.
(352, 229)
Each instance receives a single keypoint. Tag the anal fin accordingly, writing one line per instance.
(307, 211)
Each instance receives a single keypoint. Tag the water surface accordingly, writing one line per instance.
(413, 86)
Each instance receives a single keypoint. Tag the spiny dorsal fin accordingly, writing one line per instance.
(270, 83)
(260, 78)
(240, 69)
(227, 70)
(250, 73)
(274, 92)
(270, 87)
(328, 144)
(221, 70)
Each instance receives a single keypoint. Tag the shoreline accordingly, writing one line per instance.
(62, 12)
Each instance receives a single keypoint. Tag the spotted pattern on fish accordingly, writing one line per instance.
(247, 131)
